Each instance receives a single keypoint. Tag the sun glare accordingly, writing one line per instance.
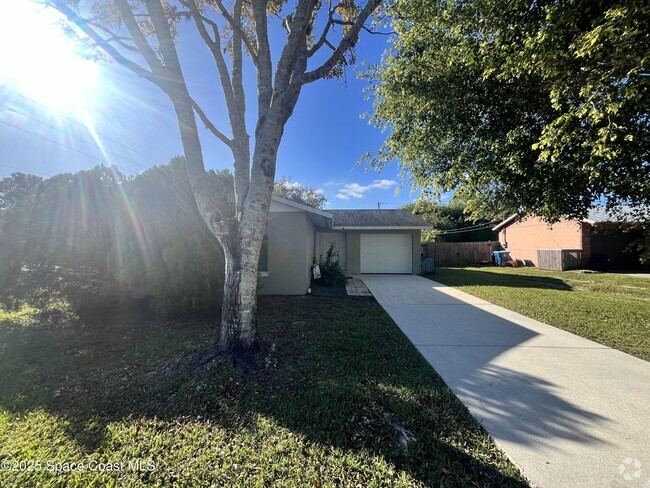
(38, 59)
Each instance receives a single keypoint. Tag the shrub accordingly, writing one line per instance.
(330, 268)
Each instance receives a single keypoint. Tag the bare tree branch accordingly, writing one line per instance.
(364, 27)
(238, 62)
(323, 37)
(346, 43)
(114, 37)
(301, 19)
(236, 26)
(103, 44)
(215, 48)
(264, 62)
(139, 38)
(210, 126)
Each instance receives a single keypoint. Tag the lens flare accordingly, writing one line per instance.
(41, 61)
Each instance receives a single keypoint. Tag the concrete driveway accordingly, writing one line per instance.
(566, 410)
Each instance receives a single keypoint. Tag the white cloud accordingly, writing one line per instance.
(355, 190)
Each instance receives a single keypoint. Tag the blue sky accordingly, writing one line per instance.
(134, 123)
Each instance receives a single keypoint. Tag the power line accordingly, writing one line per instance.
(460, 231)
(79, 124)
(76, 137)
(37, 173)
(67, 147)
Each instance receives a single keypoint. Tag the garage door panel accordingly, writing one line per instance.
(386, 253)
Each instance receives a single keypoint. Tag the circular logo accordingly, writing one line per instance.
(630, 469)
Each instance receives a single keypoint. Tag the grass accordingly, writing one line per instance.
(326, 411)
(607, 308)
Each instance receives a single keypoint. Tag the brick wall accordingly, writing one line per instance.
(525, 237)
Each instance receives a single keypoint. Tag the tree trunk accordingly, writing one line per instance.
(238, 326)
(242, 250)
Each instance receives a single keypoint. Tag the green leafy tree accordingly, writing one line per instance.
(97, 234)
(451, 223)
(539, 106)
(290, 190)
(16, 188)
(161, 247)
(140, 36)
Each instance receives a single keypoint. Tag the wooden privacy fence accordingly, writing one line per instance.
(459, 254)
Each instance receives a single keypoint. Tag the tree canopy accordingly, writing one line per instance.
(294, 191)
(141, 235)
(539, 106)
(451, 223)
(16, 188)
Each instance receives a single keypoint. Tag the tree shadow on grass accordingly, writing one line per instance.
(473, 277)
(343, 379)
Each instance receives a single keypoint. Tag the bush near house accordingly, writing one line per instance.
(331, 273)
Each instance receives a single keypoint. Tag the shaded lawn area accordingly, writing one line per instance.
(607, 308)
(323, 413)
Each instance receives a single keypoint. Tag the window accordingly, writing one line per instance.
(263, 267)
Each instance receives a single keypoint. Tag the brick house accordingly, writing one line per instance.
(602, 239)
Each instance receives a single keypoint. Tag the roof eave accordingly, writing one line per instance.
(300, 206)
(381, 227)
(506, 222)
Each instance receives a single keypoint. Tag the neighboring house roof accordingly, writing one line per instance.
(377, 219)
(597, 215)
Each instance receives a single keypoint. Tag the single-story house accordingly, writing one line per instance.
(603, 239)
(367, 241)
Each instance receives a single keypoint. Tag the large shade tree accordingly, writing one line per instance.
(527, 105)
(320, 37)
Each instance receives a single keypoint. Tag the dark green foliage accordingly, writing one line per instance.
(447, 219)
(163, 248)
(17, 187)
(536, 106)
(330, 268)
(98, 237)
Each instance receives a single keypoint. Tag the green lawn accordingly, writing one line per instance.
(610, 309)
(322, 413)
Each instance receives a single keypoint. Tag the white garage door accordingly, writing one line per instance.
(386, 253)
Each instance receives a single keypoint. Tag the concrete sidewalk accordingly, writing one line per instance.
(566, 410)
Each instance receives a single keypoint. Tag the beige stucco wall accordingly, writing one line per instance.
(525, 237)
(354, 248)
(291, 250)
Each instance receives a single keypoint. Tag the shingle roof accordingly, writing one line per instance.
(376, 218)
(599, 215)
(596, 215)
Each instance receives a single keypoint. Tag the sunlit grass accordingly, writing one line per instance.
(321, 414)
(611, 309)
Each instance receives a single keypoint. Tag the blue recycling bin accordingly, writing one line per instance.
(428, 265)
(500, 257)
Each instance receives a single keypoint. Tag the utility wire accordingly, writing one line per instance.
(459, 231)
(37, 173)
(81, 139)
(67, 147)
(79, 123)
